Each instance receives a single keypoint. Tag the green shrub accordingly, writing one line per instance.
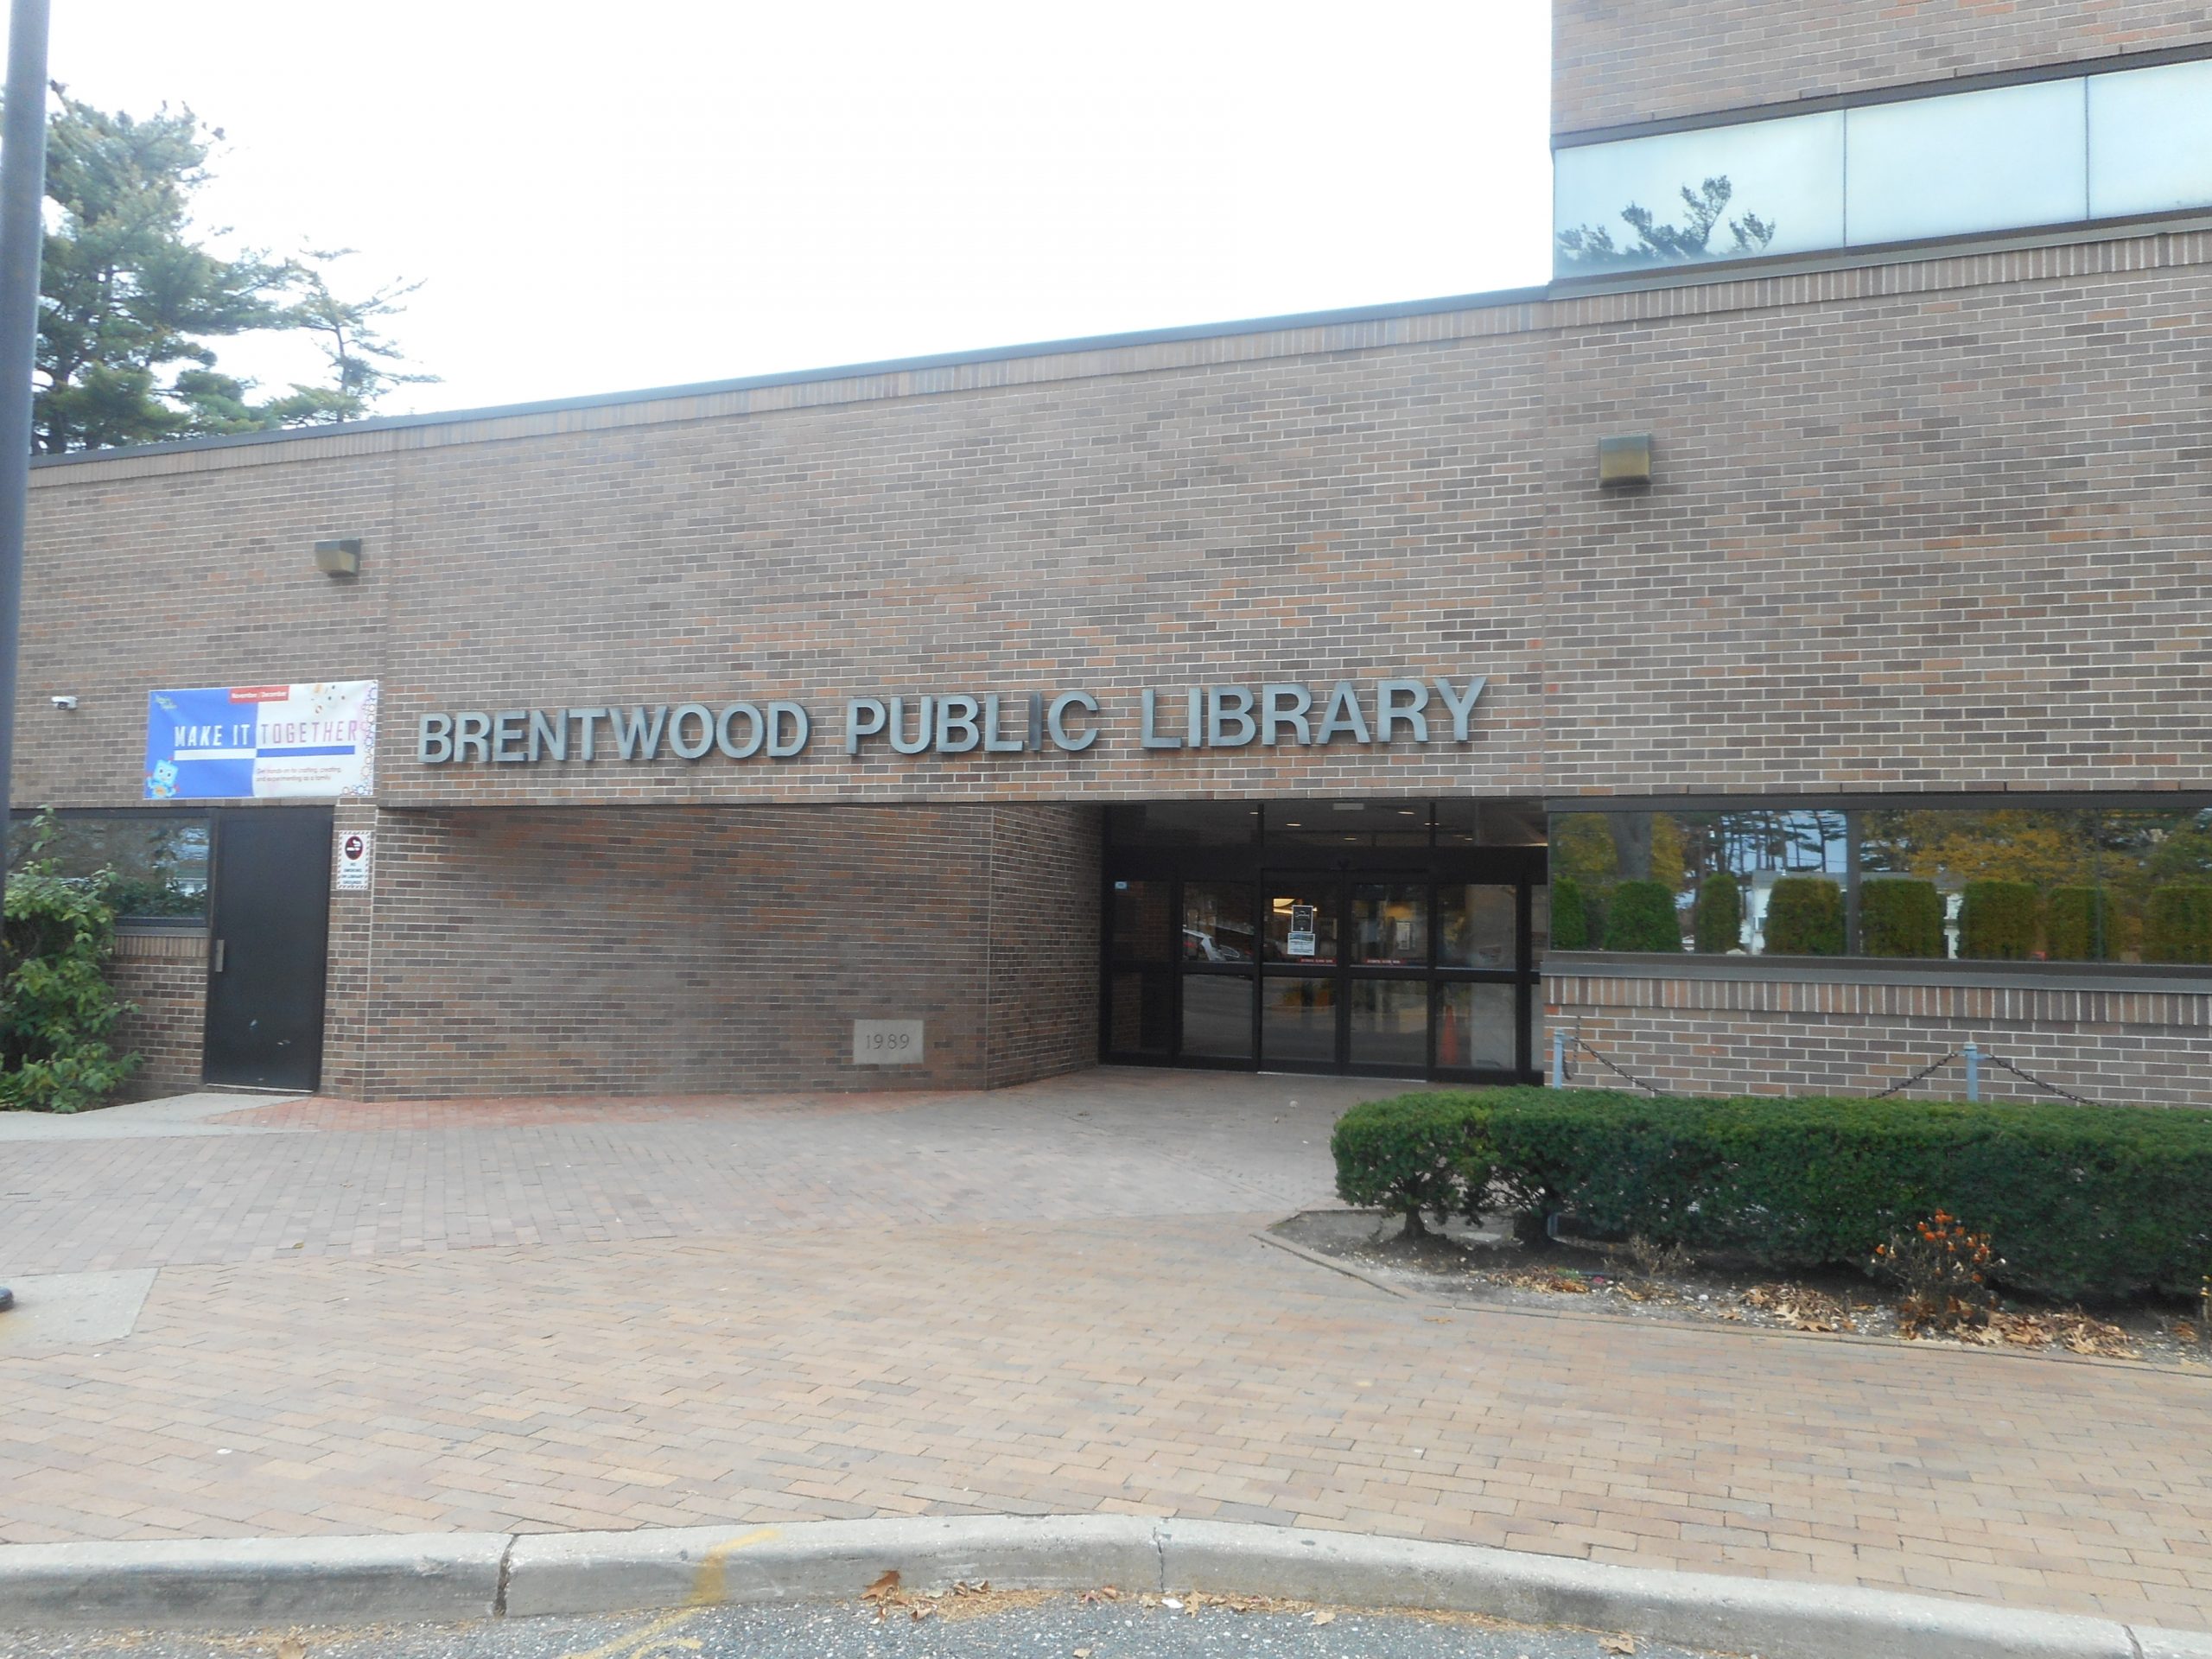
(1804, 916)
(57, 1007)
(1642, 917)
(2177, 922)
(1998, 921)
(1570, 917)
(1900, 916)
(1717, 920)
(1407, 1155)
(2077, 1200)
(2078, 924)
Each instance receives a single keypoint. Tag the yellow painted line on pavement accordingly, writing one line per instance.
(711, 1586)
(708, 1588)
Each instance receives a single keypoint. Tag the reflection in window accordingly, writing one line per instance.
(1298, 1019)
(1474, 1026)
(1302, 927)
(1389, 1022)
(2007, 885)
(1218, 922)
(153, 867)
(1140, 921)
(1216, 1017)
(1389, 924)
(2049, 152)
(1475, 926)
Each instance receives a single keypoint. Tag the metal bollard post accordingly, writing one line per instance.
(1559, 1058)
(1974, 1072)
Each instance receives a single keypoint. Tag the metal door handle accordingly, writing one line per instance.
(219, 943)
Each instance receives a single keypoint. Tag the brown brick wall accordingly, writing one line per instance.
(164, 973)
(1617, 61)
(1778, 1037)
(1043, 922)
(655, 950)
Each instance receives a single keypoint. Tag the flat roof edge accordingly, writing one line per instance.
(1492, 300)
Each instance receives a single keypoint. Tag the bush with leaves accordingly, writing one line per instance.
(2077, 922)
(2177, 922)
(1641, 916)
(1571, 929)
(58, 1007)
(1900, 916)
(1804, 916)
(1942, 1272)
(2079, 1200)
(1717, 920)
(1999, 921)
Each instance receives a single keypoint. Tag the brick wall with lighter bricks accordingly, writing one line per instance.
(1619, 61)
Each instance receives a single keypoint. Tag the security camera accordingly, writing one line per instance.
(65, 703)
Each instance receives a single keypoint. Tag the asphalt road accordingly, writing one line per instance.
(1057, 1627)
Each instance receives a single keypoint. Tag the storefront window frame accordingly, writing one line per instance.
(21, 818)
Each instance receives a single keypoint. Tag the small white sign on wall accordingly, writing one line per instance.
(887, 1042)
(353, 861)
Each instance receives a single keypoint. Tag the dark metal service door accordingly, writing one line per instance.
(266, 943)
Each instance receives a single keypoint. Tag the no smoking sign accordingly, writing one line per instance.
(353, 861)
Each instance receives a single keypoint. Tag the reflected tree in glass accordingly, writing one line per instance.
(1705, 210)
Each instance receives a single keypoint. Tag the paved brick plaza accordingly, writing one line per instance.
(551, 1314)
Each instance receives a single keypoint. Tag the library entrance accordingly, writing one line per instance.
(1396, 938)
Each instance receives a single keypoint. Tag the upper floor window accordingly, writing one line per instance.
(2061, 151)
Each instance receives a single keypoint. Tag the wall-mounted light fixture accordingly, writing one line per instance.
(339, 558)
(1624, 463)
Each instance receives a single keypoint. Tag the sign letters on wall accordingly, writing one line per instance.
(1276, 715)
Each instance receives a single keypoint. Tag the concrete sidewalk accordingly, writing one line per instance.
(517, 1316)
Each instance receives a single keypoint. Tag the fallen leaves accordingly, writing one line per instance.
(888, 1593)
(1798, 1307)
(292, 1647)
(1323, 1616)
(1618, 1644)
(2075, 1332)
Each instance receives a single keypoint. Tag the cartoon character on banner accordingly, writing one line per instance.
(161, 785)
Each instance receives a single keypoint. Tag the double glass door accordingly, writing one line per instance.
(1408, 972)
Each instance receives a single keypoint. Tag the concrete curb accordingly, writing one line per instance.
(428, 1577)
(448, 1577)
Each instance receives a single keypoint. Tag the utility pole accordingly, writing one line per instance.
(23, 236)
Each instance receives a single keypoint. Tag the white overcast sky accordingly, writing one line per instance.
(608, 196)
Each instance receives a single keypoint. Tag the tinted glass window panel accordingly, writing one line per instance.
(1298, 1019)
(1182, 823)
(1216, 1017)
(1389, 1022)
(2151, 140)
(1965, 162)
(1301, 923)
(1389, 924)
(1765, 187)
(1218, 922)
(156, 866)
(1474, 1027)
(1348, 824)
(1140, 1012)
(1140, 921)
(1475, 926)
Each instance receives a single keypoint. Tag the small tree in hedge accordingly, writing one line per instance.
(2078, 924)
(2177, 922)
(1999, 920)
(1900, 916)
(55, 1007)
(1804, 916)
(1570, 917)
(1718, 918)
(1642, 917)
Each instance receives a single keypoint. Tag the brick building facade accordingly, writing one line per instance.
(1926, 531)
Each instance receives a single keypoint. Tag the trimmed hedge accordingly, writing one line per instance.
(2077, 924)
(1571, 929)
(1642, 917)
(2177, 922)
(2107, 1201)
(1998, 921)
(1717, 920)
(1804, 916)
(1900, 916)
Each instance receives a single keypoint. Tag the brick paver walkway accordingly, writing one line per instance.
(547, 1314)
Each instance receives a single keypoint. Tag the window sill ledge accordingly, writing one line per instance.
(2183, 978)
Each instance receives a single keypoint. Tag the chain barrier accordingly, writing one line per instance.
(2026, 1077)
(1925, 1071)
(1575, 1038)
